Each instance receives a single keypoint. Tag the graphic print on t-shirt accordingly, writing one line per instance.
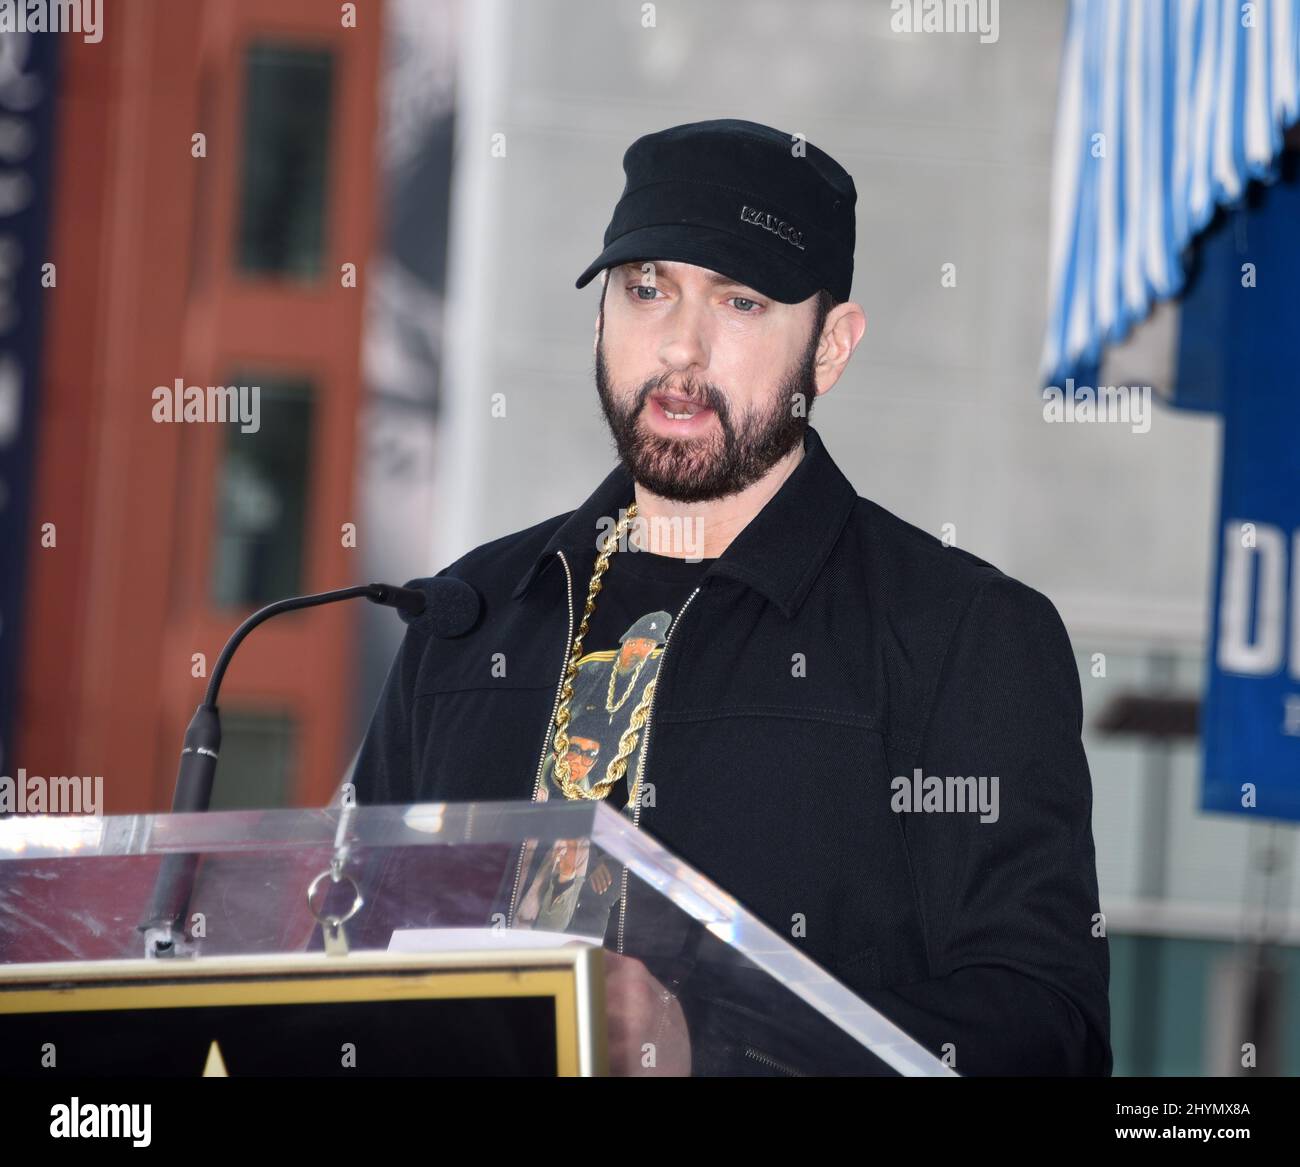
(611, 685)
(561, 885)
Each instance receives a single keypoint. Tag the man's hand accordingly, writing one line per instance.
(601, 879)
(647, 1034)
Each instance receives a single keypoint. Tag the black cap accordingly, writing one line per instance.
(768, 209)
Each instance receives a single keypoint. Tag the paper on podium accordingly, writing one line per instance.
(480, 939)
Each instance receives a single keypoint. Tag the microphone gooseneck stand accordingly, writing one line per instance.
(164, 932)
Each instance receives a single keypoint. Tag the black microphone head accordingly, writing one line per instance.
(451, 606)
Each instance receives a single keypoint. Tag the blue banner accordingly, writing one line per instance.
(1240, 350)
(27, 82)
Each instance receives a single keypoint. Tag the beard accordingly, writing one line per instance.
(735, 454)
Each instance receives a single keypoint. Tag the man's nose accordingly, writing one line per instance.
(685, 346)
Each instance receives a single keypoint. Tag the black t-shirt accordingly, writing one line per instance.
(641, 595)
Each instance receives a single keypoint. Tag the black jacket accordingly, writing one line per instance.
(773, 771)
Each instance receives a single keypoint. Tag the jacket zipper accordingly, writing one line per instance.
(750, 1052)
(546, 742)
(640, 762)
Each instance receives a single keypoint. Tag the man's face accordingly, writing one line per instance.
(632, 651)
(676, 339)
(582, 756)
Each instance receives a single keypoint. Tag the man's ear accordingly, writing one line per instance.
(844, 327)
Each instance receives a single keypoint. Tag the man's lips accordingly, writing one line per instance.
(671, 404)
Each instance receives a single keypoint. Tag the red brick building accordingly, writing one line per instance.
(220, 260)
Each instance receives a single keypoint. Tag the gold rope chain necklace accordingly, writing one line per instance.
(627, 742)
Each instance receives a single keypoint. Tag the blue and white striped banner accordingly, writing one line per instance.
(1168, 108)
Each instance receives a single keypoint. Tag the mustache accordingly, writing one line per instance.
(696, 393)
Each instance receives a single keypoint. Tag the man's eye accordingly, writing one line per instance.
(637, 289)
(741, 301)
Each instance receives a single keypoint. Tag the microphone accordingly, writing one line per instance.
(441, 606)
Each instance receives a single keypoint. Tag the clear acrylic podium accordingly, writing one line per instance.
(502, 892)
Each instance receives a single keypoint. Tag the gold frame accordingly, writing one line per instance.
(573, 976)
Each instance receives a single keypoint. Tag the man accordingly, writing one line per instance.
(823, 659)
(550, 901)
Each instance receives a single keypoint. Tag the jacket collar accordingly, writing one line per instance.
(778, 553)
